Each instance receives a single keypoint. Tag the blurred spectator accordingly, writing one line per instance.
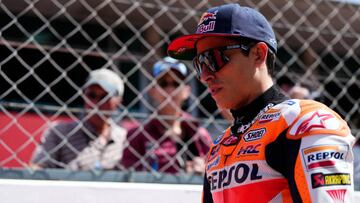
(296, 90)
(299, 92)
(128, 122)
(171, 141)
(94, 142)
(285, 84)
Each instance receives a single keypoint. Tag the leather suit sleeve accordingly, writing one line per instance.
(206, 196)
(315, 155)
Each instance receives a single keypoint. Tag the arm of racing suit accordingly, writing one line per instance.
(315, 155)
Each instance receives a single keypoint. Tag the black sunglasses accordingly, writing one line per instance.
(215, 59)
(165, 84)
(96, 97)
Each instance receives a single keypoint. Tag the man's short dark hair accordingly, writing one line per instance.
(271, 56)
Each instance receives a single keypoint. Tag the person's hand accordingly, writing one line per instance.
(104, 137)
(35, 166)
(197, 165)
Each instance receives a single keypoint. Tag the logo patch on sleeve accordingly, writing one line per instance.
(313, 121)
(325, 156)
(322, 180)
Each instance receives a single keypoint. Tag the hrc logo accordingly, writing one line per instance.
(249, 150)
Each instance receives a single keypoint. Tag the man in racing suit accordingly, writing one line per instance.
(278, 149)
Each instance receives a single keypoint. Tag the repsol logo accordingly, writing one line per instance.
(325, 156)
(235, 175)
(254, 134)
(269, 117)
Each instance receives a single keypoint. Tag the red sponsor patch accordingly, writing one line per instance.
(337, 195)
(321, 164)
(231, 140)
(214, 152)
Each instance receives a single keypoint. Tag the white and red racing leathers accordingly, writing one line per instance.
(281, 150)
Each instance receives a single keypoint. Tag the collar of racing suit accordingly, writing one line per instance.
(245, 116)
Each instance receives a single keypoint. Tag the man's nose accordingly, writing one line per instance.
(206, 75)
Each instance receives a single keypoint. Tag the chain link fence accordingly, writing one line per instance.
(48, 47)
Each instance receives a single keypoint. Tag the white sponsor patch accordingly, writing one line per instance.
(268, 117)
(254, 134)
(325, 156)
(290, 110)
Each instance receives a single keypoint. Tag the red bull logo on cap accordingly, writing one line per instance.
(207, 16)
(202, 27)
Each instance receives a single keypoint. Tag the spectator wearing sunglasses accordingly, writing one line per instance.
(93, 142)
(277, 149)
(170, 141)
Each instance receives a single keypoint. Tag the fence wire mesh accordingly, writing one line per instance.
(49, 46)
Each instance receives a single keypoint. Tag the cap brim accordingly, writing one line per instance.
(183, 47)
(168, 70)
(106, 87)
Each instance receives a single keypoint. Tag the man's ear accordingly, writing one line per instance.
(260, 51)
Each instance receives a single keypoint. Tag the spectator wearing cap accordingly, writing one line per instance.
(171, 141)
(92, 142)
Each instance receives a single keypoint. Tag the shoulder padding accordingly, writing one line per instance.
(308, 117)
